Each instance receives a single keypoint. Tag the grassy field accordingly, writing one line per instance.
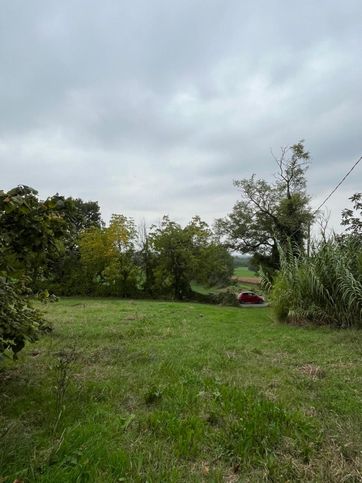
(140, 391)
(243, 272)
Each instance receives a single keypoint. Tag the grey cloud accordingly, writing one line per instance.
(154, 107)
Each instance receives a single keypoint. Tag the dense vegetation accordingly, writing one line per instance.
(271, 214)
(324, 288)
(30, 231)
(61, 246)
(136, 391)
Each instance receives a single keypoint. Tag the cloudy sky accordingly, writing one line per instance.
(154, 107)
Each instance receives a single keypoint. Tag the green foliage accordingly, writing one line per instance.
(81, 215)
(270, 214)
(226, 297)
(175, 253)
(19, 321)
(108, 258)
(215, 265)
(31, 234)
(325, 288)
(352, 218)
(186, 254)
(65, 273)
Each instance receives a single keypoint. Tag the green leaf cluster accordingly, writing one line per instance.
(183, 254)
(31, 234)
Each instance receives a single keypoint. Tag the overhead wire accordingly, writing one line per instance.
(338, 185)
(327, 198)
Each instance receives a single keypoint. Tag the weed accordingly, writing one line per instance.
(153, 395)
(62, 370)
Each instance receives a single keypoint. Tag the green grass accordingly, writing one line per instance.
(199, 288)
(243, 272)
(142, 391)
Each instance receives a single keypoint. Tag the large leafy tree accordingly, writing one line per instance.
(31, 234)
(31, 231)
(174, 269)
(271, 213)
(83, 214)
(108, 257)
(64, 272)
(183, 254)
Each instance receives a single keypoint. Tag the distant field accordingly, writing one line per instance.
(239, 272)
(136, 391)
(243, 272)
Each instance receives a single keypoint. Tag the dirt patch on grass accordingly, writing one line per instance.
(312, 371)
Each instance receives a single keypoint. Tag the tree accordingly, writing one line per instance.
(30, 235)
(107, 256)
(64, 272)
(187, 254)
(83, 215)
(215, 266)
(146, 260)
(352, 218)
(31, 232)
(172, 246)
(271, 214)
(19, 321)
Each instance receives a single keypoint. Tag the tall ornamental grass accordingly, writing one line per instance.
(323, 288)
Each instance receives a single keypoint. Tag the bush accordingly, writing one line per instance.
(225, 297)
(325, 288)
(19, 321)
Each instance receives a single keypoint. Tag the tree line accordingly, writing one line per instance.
(61, 245)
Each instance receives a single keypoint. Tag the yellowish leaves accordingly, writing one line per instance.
(101, 247)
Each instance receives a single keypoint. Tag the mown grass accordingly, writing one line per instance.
(161, 392)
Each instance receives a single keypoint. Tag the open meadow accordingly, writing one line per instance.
(140, 391)
(244, 272)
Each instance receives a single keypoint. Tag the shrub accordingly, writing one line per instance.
(325, 288)
(19, 321)
(225, 297)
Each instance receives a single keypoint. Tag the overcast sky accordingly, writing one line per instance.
(154, 107)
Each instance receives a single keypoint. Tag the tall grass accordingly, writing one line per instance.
(323, 288)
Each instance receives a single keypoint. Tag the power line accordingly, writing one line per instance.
(338, 185)
(326, 199)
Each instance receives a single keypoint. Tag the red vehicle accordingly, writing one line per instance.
(250, 298)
